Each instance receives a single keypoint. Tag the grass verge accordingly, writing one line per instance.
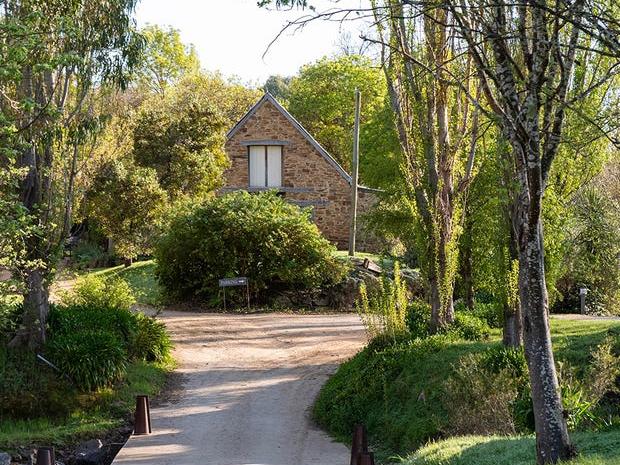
(140, 276)
(397, 390)
(601, 448)
(101, 412)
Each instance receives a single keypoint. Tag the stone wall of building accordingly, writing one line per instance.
(308, 179)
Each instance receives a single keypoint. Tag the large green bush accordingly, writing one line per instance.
(92, 359)
(260, 236)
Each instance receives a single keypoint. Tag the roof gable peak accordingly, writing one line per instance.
(267, 97)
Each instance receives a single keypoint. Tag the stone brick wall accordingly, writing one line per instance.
(308, 179)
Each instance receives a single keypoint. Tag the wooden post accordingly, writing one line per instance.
(355, 175)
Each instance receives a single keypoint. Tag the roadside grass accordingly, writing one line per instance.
(396, 391)
(140, 276)
(101, 412)
(600, 448)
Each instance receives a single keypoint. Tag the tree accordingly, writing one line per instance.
(430, 85)
(55, 51)
(181, 136)
(526, 53)
(165, 59)
(279, 87)
(321, 97)
(127, 203)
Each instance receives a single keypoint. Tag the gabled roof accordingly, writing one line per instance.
(269, 98)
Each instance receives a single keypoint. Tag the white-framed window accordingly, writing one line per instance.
(265, 165)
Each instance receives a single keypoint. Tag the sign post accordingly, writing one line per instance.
(582, 298)
(235, 282)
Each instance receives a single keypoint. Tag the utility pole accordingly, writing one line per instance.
(355, 175)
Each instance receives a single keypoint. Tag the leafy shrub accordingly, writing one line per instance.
(500, 357)
(478, 403)
(260, 236)
(10, 318)
(30, 390)
(88, 255)
(491, 312)
(66, 320)
(470, 327)
(101, 292)
(92, 359)
(418, 318)
(151, 341)
(385, 310)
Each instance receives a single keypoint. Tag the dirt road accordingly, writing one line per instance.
(248, 383)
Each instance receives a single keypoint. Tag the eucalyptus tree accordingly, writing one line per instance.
(55, 52)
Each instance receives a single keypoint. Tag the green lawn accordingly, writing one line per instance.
(397, 392)
(140, 276)
(106, 410)
(601, 448)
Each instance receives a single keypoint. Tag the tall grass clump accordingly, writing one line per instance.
(384, 311)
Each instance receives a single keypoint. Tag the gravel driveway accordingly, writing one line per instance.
(248, 384)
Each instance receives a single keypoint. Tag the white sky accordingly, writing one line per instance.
(232, 35)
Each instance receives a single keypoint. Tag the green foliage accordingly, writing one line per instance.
(95, 291)
(398, 388)
(151, 341)
(10, 318)
(261, 236)
(94, 415)
(165, 59)
(384, 312)
(418, 318)
(127, 203)
(181, 137)
(279, 87)
(92, 359)
(30, 390)
(321, 97)
(595, 251)
(87, 255)
(478, 402)
(490, 312)
(66, 320)
(470, 327)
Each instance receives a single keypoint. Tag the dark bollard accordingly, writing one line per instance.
(142, 421)
(46, 456)
(366, 458)
(359, 444)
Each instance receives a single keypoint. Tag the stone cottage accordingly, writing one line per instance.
(269, 149)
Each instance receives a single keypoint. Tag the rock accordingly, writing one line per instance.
(90, 453)
(5, 459)
(282, 301)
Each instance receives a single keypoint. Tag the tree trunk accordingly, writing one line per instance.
(441, 283)
(552, 440)
(467, 263)
(36, 309)
(513, 324)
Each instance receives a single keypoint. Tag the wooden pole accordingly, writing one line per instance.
(355, 175)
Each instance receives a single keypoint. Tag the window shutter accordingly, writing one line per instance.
(274, 166)
(257, 166)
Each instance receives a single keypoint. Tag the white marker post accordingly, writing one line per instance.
(355, 175)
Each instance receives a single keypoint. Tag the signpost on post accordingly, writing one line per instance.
(235, 282)
(582, 299)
